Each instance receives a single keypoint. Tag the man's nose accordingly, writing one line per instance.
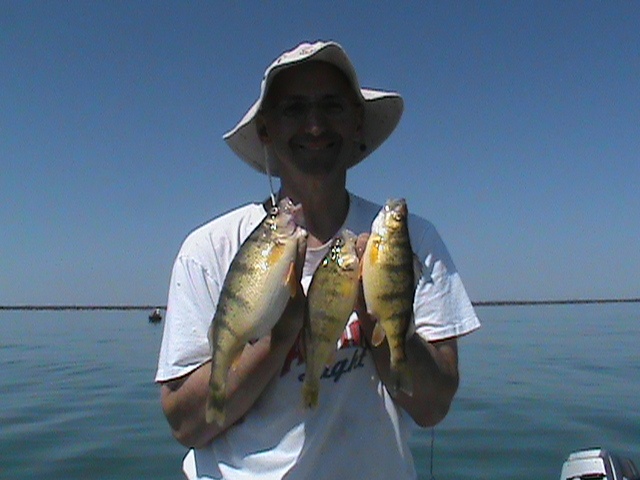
(315, 120)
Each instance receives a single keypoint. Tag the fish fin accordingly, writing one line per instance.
(234, 363)
(234, 355)
(300, 255)
(351, 263)
(377, 337)
(373, 248)
(310, 393)
(402, 379)
(291, 280)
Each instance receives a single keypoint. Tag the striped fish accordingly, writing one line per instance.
(331, 299)
(388, 282)
(262, 277)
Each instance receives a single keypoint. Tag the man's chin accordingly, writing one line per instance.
(317, 166)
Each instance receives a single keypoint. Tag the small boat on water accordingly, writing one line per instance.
(598, 464)
(155, 316)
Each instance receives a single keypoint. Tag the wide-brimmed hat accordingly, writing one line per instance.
(382, 110)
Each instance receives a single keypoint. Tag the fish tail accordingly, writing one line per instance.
(215, 411)
(310, 392)
(216, 399)
(401, 378)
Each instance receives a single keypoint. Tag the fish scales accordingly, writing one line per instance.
(261, 279)
(388, 282)
(331, 299)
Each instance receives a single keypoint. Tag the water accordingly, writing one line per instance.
(78, 399)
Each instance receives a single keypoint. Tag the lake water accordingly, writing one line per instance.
(78, 400)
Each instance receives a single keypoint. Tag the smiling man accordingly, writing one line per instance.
(309, 117)
(311, 123)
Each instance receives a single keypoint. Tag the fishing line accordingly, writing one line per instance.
(433, 437)
(268, 169)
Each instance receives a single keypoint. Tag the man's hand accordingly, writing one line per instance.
(434, 365)
(183, 400)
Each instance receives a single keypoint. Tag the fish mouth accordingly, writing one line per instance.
(396, 205)
(292, 214)
(347, 236)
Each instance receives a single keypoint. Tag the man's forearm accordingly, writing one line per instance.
(434, 367)
(435, 379)
(184, 400)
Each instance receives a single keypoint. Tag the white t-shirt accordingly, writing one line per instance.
(356, 431)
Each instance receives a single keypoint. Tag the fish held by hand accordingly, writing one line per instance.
(388, 281)
(262, 277)
(331, 299)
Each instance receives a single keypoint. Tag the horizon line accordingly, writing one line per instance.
(480, 303)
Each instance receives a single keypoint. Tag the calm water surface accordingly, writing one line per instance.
(79, 402)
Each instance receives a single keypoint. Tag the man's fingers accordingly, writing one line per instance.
(361, 243)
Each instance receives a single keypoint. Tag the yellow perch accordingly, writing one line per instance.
(331, 299)
(262, 277)
(388, 281)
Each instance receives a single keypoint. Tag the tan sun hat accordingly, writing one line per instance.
(382, 110)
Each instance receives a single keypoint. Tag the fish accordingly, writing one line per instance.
(331, 298)
(389, 279)
(263, 275)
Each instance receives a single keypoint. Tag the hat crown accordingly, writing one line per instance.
(301, 51)
(329, 52)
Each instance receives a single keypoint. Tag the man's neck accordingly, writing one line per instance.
(325, 209)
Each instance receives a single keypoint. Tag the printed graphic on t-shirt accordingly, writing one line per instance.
(351, 337)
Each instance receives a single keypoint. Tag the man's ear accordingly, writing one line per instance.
(262, 129)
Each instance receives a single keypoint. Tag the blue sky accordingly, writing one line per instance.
(520, 139)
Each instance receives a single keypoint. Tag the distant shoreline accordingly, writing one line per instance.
(487, 303)
(82, 307)
(577, 301)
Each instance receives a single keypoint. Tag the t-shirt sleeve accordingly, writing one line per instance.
(442, 308)
(191, 303)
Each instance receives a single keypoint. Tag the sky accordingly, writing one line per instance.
(520, 139)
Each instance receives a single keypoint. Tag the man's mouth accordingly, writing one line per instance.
(317, 145)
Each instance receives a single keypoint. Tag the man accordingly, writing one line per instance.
(311, 123)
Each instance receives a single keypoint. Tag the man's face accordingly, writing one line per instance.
(311, 118)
